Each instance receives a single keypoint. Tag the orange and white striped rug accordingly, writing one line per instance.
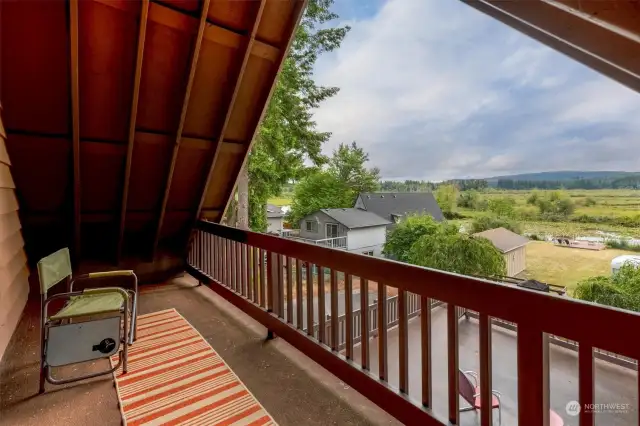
(176, 378)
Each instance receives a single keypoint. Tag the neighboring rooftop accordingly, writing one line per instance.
(274, 211)
(355, 218)
(385, 204)
(503, 239)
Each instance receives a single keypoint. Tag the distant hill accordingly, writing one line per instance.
(561, 175)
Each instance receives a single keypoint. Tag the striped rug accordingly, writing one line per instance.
(176, 378)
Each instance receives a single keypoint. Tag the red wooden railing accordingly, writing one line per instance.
(255, 272)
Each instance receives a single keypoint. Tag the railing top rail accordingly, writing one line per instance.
(588, 323)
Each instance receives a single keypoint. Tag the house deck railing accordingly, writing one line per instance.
(255, 272)
(335, 242)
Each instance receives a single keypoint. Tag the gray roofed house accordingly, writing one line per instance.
(395, 205)
(511, 245)
(350, 229)
(355, 218)
(275, 219)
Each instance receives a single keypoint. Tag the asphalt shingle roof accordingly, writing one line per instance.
(503, 239)
(274, 211)
(355, 218)
(401, 203)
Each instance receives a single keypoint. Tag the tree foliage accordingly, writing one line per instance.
(406, 233)
(458, 252)
(486, 222)
(468, 199)
(447, 198)
(336, 186)
(288, 135)
(502, 207)
(555, 203)
(622, 290)
(420, 240)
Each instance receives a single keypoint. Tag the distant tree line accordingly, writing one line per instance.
(627, 182)
(423, 186)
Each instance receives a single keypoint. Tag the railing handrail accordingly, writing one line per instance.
(587, 323)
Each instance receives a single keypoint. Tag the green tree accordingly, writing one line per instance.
(622, 290)
(556, 203)
(447, 198)
(458, 252)
(468, 199)
(486, 222)
(407, 232)
(335, 187)
(287, 135)
(348, 165)
(533, 198)
(502, 207)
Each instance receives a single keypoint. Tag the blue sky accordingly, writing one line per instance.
(433, 89)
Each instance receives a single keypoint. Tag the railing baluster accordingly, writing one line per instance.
(334, 310)
(256, 275)
(299, 303)
(452, 364)
(219, 259)
(425, 346)
(264, 277)
(310, 320)
(322, 313)
(403, 337)
(210, 255)
(382, 331)
(289, 290)
(348, 304)
(229, 265)
(201, 256)
(364, 323)
(239, 269)
(533, 377)
(280, 286)
(271, 282)
(234, 262)
(486, 418)
(247, 270)
(586, 383)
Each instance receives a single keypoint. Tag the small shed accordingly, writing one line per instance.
(511, 245)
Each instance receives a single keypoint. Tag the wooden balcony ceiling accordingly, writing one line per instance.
(128, 119)
(602, 34)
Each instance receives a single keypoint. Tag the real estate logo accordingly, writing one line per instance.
(573, 408)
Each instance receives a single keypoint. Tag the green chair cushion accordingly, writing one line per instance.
(91, 304)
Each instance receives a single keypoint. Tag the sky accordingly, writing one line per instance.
(434, 89)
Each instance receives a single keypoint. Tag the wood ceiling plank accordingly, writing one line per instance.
(75, 123)
(144, 14)
(295, 20)
(183, 114)
(236, 90)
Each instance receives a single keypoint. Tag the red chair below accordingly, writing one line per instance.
(470, 392)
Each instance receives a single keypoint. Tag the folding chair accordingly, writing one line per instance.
(103, 314)
(470, 392)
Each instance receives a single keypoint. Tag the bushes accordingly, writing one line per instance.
(621, 290)
(503, 206)
(485, 223)
(468, 199)
(626, 221)
(622, 245)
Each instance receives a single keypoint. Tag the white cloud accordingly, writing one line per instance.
(434, 89)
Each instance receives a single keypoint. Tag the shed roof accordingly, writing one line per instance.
(355, 218)
(401, 203)
(503, 239)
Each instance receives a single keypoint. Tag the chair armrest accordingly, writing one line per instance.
(102, 290)
(121, 273)
(105, 274)
(58, 296)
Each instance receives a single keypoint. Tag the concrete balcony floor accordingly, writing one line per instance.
(293, 389)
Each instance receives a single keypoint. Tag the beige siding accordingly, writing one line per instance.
(516, 261)
(14, 284)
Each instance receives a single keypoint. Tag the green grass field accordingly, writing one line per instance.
(566, 266)
(279, 201)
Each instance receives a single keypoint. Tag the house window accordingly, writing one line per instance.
(311, 226)
(332, 230)
(368, 253)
